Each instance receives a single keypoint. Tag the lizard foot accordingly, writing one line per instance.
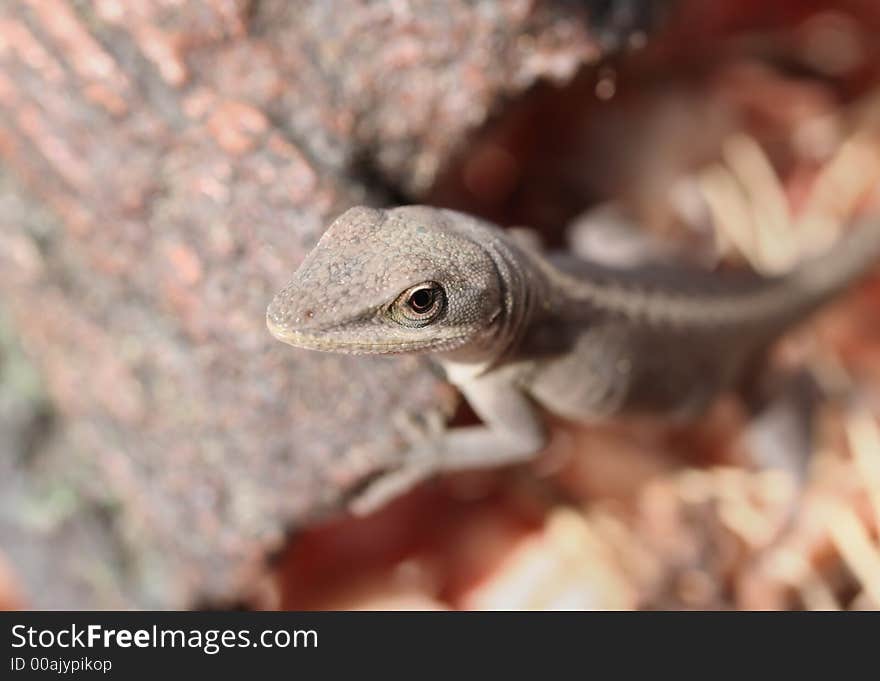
(388, 485)
(418, 464)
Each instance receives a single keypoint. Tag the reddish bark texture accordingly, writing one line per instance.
(164, 168)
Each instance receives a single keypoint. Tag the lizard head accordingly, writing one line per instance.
(387, 282)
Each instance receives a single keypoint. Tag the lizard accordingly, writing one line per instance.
(522, 334)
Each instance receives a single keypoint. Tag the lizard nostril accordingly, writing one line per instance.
(309, 314)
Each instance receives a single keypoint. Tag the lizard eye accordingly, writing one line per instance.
(420, 305)
(421, 300)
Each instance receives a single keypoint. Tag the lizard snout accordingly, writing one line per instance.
(288, 314)
(299, 319)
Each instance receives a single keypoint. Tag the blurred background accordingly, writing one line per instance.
(166, 164)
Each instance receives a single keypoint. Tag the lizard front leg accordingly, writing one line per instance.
(512, 432)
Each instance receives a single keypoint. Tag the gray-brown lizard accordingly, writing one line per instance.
(518, 332)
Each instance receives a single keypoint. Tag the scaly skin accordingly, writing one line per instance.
(517, 334)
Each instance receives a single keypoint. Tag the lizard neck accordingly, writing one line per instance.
(523, 290)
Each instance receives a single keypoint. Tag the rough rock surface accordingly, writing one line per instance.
(164, 167)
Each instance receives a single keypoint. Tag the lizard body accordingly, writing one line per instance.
(518, 332)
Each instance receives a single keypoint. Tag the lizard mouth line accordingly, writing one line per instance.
(319, 342)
